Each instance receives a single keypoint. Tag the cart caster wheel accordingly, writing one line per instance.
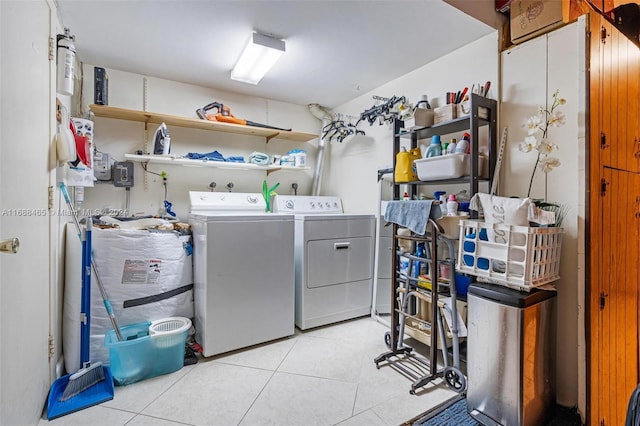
(412, 392)
(455, 379)
(387, 339)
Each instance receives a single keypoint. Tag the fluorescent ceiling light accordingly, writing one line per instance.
(257, 58)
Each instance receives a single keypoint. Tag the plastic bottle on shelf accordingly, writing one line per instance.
(443, 204)
(464, 145)
(423, 102)
(418, 266)
(451, 148)
(452, 206)
(435, 149)
(404, 170)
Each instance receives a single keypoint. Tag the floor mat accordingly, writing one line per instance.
(454, 413)
(451, 413)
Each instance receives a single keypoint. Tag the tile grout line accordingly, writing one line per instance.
(165, 391)
(267, 382)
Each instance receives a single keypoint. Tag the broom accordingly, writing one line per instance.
(93, 383)
(89, 374)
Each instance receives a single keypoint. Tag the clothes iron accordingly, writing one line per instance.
(162, 140)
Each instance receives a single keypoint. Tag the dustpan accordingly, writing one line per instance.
(95, 393)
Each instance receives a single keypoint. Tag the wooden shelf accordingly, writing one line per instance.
(179, 161)
(195, 123)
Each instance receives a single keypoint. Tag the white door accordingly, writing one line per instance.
(25, 114)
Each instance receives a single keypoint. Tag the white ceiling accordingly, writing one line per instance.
(336, 50)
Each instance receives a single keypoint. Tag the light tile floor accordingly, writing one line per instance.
(324, 376)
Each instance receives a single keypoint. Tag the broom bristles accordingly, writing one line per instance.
(82, 380)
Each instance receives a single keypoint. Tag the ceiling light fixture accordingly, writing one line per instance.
(257, 58)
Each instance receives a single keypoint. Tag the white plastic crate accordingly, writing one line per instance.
(519, 257)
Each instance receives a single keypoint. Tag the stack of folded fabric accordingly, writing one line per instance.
(214, 156)
(259, 158)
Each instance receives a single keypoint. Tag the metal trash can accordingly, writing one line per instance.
(508, 355)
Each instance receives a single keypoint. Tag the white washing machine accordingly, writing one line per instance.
(333, 259)
(243, 271)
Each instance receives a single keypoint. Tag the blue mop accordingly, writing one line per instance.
(93, 383)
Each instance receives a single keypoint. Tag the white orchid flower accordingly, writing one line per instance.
(533, 124)
(557, 119)
(548, 163)
(545, 147)
(528, 144)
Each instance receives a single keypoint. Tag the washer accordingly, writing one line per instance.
(333, 259)
(243, 271)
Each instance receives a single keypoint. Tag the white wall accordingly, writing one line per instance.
(119, 137)
(531, 72)
(352, 166)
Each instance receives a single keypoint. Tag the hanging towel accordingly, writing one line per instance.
(412, 214)
(259, 158)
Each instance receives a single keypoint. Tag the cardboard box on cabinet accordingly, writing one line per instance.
(530, 18)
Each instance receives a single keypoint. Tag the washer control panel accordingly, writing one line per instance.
(226, 201)
(307, 204)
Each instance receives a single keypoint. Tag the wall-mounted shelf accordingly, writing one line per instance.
(178, 161)
(195, 123)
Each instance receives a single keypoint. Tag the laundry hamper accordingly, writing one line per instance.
(519, 257)
(148, 349)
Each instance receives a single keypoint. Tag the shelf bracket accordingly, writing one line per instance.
(275, 135)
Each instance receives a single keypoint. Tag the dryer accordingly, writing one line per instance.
(333, 259)
(243, 271)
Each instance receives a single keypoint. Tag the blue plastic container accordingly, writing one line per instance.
(148, 349)
(462, 284)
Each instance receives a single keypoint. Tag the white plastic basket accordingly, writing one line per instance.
(519, 257)
(169, 331)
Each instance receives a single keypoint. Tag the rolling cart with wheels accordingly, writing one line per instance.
(409, 294)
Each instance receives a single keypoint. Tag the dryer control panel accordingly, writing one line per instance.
(307, 204)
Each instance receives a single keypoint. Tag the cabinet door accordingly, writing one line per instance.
(614, 300)
(617, 92)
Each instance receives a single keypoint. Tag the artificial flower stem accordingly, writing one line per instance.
(532, 175)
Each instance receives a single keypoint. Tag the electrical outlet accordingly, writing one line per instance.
(123, 174)
(102, 166)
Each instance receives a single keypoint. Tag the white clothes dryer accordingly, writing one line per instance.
(333, 259)
(243, 271)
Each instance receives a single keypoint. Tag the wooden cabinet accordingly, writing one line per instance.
(615, 83)
(615, 300)
(613, 330)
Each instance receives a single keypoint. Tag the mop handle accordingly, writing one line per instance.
(103, 292)
(85, 299)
